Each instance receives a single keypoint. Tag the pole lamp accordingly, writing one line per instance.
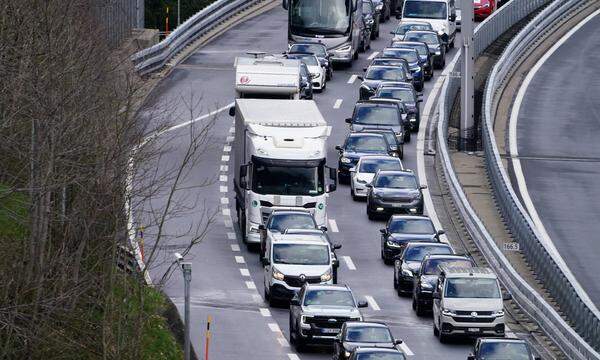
(186, 269)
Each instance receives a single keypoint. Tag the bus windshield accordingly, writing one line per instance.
(425, 10)
(320, 17)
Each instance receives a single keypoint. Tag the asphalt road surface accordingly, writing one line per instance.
(227, 278)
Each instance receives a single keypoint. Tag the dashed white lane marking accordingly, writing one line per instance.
(349, 262)
(293, 356)
(283, 342)
(274, 327)
(232, 130)
(372, 303)
(231, 236)
(225, 158)
(223, 189)
(338, 103)
(228, 222)
(229, 139)
(226, 148)
(250, 285)
(224, 168)
(240, 260)
(235, 247)
(352, 79)
(257, 298)
(224, 201)
(406, 350)
(245, 272)
(223, 178)
(333, 225)
(373, 55)
(226, 212)
(265, 312)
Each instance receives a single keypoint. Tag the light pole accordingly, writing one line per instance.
(186, 269)
(178, 12)
(467, 99)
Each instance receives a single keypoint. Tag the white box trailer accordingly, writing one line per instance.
(279, 151)
(267, 77)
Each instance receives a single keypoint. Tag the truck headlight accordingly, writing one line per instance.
(448, 312)
(392, 244)
(326, 276)
(498, 313)
(345, 160)
(277, 275)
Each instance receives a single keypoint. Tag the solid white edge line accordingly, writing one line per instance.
(283, 341)
(372, 303)
(349, 262)
(405, 349)
(338, 103)
(513, 146)
(352, 79)
(265, 312)
(373, 55)
(422, 174)
(274, 327)
(293, 356)
(333, 225)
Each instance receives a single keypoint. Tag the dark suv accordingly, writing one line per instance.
(357, 145)
(496, 348)
(408, 96)
(393, 192)
(356, 334)
(402, 229)
(408, 263)
(379, 114)
(317, 313)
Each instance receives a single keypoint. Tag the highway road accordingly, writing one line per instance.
(227, 279)
(559, 152)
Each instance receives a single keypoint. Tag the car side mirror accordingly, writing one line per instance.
(436, 295)
(383, 231)
(363, 304)
(364, 69)
(232, 111)
(338, 148)
(323, 228)
(471, 357)
(422, 187)
(360, 77)
(398, 342)
(337, 246)
(330, 188)
(393, 33)
(507, 296)
(295, 301)
(440, 232)
(348, 120)
(262, 227)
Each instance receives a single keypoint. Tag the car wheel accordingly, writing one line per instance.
(266, 293)
(353, 194)
(324, 86)
(242, 224)
(419, 308)
(299, 344)
(355, 57)
(370, 215)
(443, 337)
(452, 44)
(407, 136)
(335, 276)
(292, 332)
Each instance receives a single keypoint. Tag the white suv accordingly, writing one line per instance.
(468, 302)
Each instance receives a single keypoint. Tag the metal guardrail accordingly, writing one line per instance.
(576, 306)
(155, 57)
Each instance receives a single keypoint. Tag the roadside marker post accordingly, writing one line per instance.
(207, 342)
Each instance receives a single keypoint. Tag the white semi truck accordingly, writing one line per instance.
(267, 77)
(279, 161)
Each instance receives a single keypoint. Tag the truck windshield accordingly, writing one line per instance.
(300, 254)
(425, 10)
(472, 288)
(320, 17)
(286, 180)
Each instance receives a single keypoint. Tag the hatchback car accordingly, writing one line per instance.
(393, 192)
(366, 168)
(408, 25)
(375, 75)
(317, 49)
(409, 97)
(424, 53)
(437, 49)
(362, 334)
(408, 263)
(402, 229)
(355, 146)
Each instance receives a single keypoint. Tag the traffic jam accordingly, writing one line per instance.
(282, 180)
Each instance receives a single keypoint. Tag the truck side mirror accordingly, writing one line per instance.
(232, 111)
(452, 17)
(348, 120)
(330, 188)
(243, 183)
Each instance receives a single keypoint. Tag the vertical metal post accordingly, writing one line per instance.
(186, 267)
(467, 100)
(140, 13)
(178, 12)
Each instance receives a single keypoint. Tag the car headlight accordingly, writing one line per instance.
(426, 286)
(407, 272)
(303, 318)
(485, 6)
(437, 52)
(392, 244)
(347, 354)
(344, 48)
(326, 276)
(379, 7)
(416, 197)
(345, 160)
(498, 313)
(448, 312)
(394, 155)
(316, 76)
(361, 181)
(416, 69)
(277, 275)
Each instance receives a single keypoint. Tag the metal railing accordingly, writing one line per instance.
(157, 56)
(576, 342)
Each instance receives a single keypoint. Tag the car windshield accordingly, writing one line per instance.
(377, 115)
(427, 38)
(283, 222)
(411, 226)
(472, 288)
(432, 267)
(396, 181)
(388, 74)
(300, 254)
(372, 165)
(366, 144)
(309, 60)
(417, 253)
(369, 334)
(425, 9)
(380, 356)
(316, 49)
(408, 54)
(287, 180)
(320, 17)
(421, 48)
(503, 350)
(387, 62)
(329, 298)
(403, 28)
(405, 95)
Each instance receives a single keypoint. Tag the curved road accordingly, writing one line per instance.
(227, 279)
(558, 132)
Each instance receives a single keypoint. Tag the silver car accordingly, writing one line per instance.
(366, 168)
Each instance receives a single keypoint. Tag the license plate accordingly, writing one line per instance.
(397, 205)
(473, 329)
(330, 331)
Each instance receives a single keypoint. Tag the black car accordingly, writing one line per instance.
(317, 49)
(414, 62)
(396, 143)
(357, 145)
(408, 25)
(375, 353)
(409, 97)
(402, 229)
(306, 87)
(404, 113)
(375, 75)
(383, 8)
(437, 49)
(355, 334)
(427, 277)
(501, 348)
(382, 61)
(424, 53)
(379, 114)
(408, 263)
(371, 18)
(393, 192)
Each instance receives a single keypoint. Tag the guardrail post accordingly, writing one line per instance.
(467, 103)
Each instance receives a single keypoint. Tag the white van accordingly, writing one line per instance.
(441, 14)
